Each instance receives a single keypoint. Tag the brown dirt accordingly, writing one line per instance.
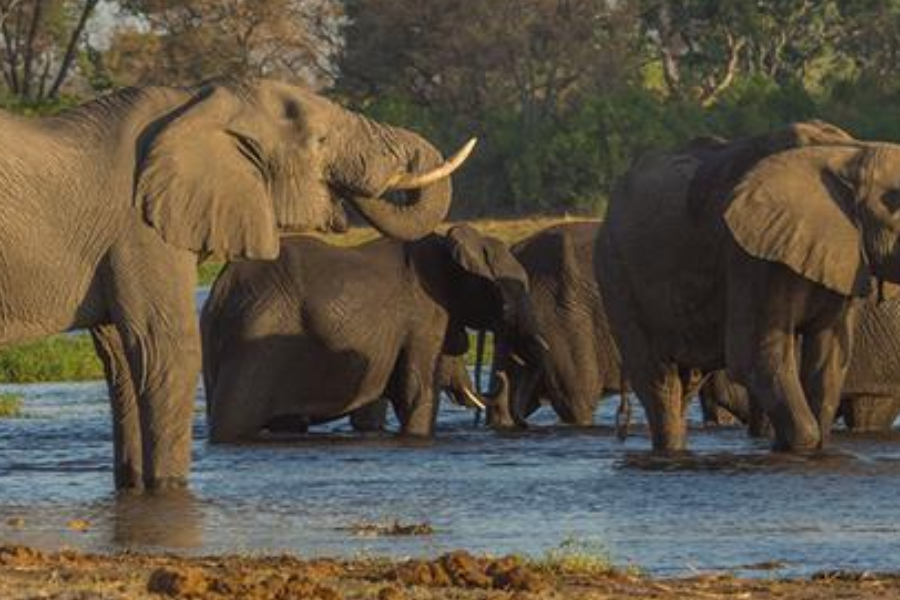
(26, 573)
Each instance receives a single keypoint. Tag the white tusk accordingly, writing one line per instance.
(517, 359)
(474, 399)
(414, 181)
(543, 343)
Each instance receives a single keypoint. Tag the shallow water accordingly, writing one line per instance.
(727, 505)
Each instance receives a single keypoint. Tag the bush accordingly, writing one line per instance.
(59, 358)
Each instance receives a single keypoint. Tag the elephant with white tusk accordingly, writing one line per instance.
(325, 331)
(106, 209)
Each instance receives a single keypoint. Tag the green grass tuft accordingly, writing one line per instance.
(58, 358)
(10, 405)
(576, 557)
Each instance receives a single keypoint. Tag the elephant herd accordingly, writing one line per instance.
(758, 272)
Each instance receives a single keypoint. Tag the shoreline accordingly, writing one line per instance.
(29, 573)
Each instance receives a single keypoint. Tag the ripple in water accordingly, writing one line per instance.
(726, 504)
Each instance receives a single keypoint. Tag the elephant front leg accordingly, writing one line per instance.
(416, 399)
(166, 369)
(774, 382)
(371, 417)
(824, 363)
(659, 389)
(128, 457)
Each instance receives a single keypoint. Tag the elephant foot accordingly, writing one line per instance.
(805, 444)
(166, 484)
(128, 480)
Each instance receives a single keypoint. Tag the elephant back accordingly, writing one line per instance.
(788, 209)
(875, 362)
(568, 302)
(669, 260)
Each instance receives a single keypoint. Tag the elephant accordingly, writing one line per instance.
(108, 207)
(323, 331)
(753, 256)
(870, 396)
(452, 378)
(582, 362)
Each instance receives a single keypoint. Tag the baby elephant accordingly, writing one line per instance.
(324, 331)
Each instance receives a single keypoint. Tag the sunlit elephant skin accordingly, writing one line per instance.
(581, 363)
(323, 331)
(722, 254)
(108, 207)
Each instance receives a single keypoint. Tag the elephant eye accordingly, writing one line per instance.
(291, 110)
(892, 200)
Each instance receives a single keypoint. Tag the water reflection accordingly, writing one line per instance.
(725, 504)
(168, 520)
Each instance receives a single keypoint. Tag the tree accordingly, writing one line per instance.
(191, 40)
(39, 44)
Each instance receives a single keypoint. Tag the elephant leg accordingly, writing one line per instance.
(824, 361)
(152, 306)
(623, 415)
(775, 382)
(240, 406)
(371, 417)
(870, 414)
(415, 395)
(127, 460)
(660, 392)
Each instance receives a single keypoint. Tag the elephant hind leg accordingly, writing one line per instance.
(128, 457)
(824, 363)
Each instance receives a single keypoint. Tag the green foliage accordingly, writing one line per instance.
(208, 271)
(37, 108)
(59, 358)
(10, 405)
(576, 556)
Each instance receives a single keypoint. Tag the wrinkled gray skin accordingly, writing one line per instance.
(582, 363)
(108, 207)
(716, 256)
(323, 331)
(452, 379)
(870, 398)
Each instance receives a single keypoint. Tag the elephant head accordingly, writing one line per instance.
(493, 274)
(493, 290)
(830, 213)
(242, 161)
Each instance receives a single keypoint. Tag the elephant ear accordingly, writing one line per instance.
(202, 185)
(470, 251)
(795, 208)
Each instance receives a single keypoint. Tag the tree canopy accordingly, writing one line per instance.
(564, 94)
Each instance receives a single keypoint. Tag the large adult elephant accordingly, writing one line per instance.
(323, 331)
(725, 254)
(107, 208)
(581, 363)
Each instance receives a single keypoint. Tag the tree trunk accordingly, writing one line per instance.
(72, 48)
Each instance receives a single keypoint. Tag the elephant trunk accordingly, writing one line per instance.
(401, 161)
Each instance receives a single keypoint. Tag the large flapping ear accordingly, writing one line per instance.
(202, 182)
(792, 208)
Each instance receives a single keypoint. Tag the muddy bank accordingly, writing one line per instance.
(27, 573)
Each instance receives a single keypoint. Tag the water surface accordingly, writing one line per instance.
(726, 505)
